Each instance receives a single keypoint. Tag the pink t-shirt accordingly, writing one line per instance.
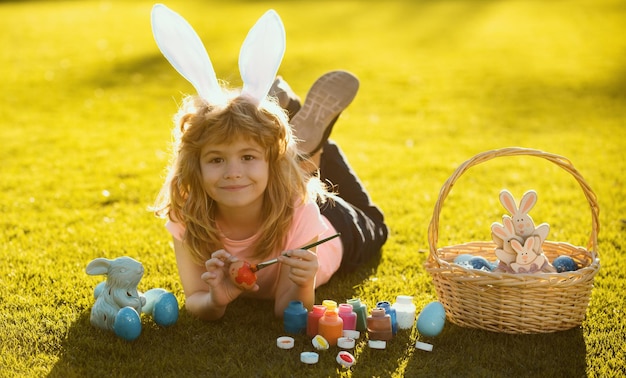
(307, 224)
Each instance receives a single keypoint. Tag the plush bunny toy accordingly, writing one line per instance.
(502, 235)
(120, 290)
(527, 260)
(523, 227)
(523, 223)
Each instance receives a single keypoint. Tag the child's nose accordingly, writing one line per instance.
(233, 170)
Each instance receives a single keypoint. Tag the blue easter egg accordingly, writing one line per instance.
(564, 264)
(463, 259)
(127, 324)
(431, 320)
(480, 262)
(152, 296)
(165, 311)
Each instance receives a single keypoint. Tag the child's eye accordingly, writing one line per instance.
(216, 160)
(248, 157)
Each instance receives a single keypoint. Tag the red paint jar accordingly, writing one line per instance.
(313, 320)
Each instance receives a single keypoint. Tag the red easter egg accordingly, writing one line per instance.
(242, 275)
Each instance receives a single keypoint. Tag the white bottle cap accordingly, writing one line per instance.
(424, 346)
(320, 343)
(285, 342)
(345, 359)
(351, 334)
(377, 344)
(309, 357)
(345, 343)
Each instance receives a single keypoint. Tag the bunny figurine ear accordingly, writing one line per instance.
(260, 56)
(182, 47)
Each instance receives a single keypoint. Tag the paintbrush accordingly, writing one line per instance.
(259, 266)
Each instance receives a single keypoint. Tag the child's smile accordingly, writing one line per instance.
(235, 175)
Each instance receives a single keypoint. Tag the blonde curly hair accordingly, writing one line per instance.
(183, 198)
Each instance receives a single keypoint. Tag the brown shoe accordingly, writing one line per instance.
(327, 98)
(287, 99)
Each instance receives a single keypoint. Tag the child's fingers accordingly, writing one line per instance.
(295, 255)
(222, 255)
(208, 276)
(213, 264)
(219, 259)
(303, 264)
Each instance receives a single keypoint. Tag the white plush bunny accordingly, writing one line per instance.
(502, 235)
(524, 224)
(120, 290)
(259, 58)
(527, 260)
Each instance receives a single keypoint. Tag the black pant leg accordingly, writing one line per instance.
(360, 222)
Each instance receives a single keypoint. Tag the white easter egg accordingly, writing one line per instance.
(152, 296)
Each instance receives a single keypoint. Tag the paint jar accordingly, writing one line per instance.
(295, 317)
(392, 313)
(405, 311)
(379, 325)
(347, 314)
(313, 320)
(361, 313)
(330, 305)
(331, 327)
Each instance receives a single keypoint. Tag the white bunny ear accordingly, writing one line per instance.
(507, 221)
(529, 243)
(517, 246)
(508, 201)
(529, 199)
(182, 47)
(260, 56)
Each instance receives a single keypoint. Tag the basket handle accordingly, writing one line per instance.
(433, 227)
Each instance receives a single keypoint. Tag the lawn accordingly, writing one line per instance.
(85, 122)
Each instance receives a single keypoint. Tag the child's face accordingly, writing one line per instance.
(235, 175)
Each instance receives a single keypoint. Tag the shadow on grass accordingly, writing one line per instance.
(230, 347)
(241, 344)
(464, 352)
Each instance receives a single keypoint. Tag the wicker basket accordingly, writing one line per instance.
(506, 302)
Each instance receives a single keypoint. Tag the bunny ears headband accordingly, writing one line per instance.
(259, 57)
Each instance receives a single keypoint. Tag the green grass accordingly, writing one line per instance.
(85, 123)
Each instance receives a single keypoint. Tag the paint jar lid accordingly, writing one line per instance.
(424, 346)
(309, 357)
(285, 342)
(377, 344)
(320, 343)
(345, 359)
(351, 334)
(345, 343)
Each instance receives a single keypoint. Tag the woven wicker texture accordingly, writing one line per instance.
(506, 302)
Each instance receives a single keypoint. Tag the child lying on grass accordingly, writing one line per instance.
(242, 186)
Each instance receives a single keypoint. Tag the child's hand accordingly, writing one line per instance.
(302, 264)
(223, 290)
